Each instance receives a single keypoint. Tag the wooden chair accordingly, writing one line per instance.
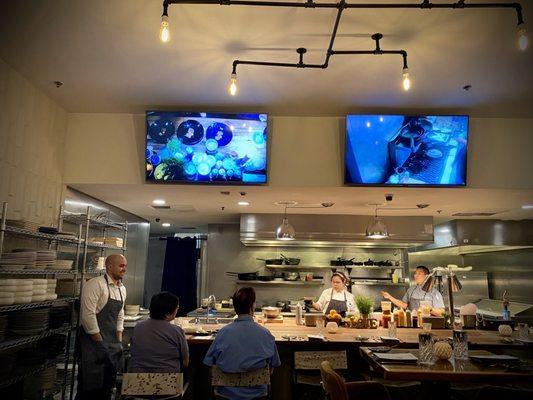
(239, 379)
(153, 386)
(337, 389)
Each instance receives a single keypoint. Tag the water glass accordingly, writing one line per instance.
(523, 331)
(426, 326)
(319, 323)
(460, 344)
(425, 348)
(392, 329)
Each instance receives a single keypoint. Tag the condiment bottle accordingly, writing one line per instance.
(396, 317)
(298, 312)
(408, 319)
(401, 318)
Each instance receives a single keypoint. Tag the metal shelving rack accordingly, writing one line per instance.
(84, 223)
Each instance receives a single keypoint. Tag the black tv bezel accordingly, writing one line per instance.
(206, 183)
(384, 185)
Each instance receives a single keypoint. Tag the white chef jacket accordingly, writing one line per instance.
(94, 297)
(325, 297)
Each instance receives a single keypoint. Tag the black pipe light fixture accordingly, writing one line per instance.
(164, 32)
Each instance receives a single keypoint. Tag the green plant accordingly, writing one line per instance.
(364, 304)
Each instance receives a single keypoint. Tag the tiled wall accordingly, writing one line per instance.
(32, 136)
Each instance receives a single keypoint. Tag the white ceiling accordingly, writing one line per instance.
(109, 57)
(206, 202)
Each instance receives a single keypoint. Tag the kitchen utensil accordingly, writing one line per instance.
(265, 278)
(271, 312)
(244, 276)
(341, 262)
(272, 261)
(289, 260)
(311, 318)
(291, 276)
(369, 262)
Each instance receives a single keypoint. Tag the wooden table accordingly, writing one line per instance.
(436, 378)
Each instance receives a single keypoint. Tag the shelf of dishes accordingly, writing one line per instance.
(23, 340)
(289, 283)
(81, 219)
(5, 271)
(17, 307)
(63, 238)
(327, 268)
(28, 372)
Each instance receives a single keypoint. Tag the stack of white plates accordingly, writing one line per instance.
(131, 309)
(62, 264)
(51, 289)
(39, 291)
(46, 259)
(18, 260)
(20, 289)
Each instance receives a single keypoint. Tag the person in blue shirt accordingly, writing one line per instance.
(243, 346)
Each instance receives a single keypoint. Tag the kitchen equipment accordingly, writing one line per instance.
(291, 276)
(311, 318)
(468, 321)
(436, 322)
(272, 261)
(271, 312)
(244, 276)
(289, 260)
(341, 262)
(265, 278)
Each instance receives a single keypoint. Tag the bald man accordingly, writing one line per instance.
(100, 334)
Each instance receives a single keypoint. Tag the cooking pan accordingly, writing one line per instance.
(272, 261)
(244, 276)
(265, 278)
(341, 262)
(290, 261)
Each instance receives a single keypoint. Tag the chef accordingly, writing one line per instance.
(414, 295)
(100, 334)
(337, 297)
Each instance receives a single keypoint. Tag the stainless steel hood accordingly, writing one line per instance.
(466, 236)
(335, 231)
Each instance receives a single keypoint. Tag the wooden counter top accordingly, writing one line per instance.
(408, 336)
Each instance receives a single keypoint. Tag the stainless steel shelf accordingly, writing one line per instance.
(39, 235)
(4, 271)
(378, 283)
(104, 246)
(27, 373)
(37, 304)
(298, 267)
(282, 283)
(81, 219)
(19, 341)
(372, 267)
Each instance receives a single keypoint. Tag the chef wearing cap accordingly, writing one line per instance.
(415, 295)
(337, 297)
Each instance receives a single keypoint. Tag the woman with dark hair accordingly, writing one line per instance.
(337, 297)
(157, 345)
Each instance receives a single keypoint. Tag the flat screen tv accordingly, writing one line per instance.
(401, 150)
(183, 147)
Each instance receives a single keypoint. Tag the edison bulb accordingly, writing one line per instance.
(233, 85)
(164, 31)
(523, 40)
(406, 81)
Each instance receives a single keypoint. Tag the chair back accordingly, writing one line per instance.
(332, 382)
(240, 379)
(311, 360)
(152, 384)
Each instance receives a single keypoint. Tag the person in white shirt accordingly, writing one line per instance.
(100, 335)
(337, 297)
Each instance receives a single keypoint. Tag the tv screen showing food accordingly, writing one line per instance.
(206, 147)
(401, 150)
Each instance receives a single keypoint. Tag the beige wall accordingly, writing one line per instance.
(305, 151)
(32, 143)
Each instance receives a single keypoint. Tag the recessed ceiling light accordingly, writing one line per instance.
(243, 203)
(466, 88)
(159, 202)
(527, 206)
(165, 224)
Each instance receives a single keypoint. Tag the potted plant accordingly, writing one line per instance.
(365, 306)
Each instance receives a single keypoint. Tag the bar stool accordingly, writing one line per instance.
(149, 385)
(239, 379)
(336, 389)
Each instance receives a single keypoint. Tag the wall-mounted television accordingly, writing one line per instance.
(402, 150)
(184, 147)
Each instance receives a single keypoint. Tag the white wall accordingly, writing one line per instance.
(32, 149)
(305, 151)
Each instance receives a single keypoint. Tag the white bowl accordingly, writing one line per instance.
(51, 296)
(22, 300)
(25, 293)
(38, 292)
(7, 301)
(39, 297)
(332, 327)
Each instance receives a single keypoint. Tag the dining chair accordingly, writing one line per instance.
(336, 389)
(162, 386)
(239, 379)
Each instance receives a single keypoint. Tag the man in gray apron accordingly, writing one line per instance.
(100, 333)
(414, 295)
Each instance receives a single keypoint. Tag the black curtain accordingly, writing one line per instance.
(179, 272)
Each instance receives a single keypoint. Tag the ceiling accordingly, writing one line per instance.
(195, 206)
(110, 59)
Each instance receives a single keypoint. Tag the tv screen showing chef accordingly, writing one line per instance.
(425, 150)
(206, 147)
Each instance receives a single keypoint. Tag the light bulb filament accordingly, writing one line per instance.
(406, 81)
(523, 40)
(233, 85)
(164, 31)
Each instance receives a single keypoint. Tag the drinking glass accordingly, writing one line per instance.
(523, 331)
(425, 348)
(319, 323)
(392, 329)
(426, 326)
(460, 344)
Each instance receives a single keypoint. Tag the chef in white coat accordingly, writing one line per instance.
(337, 297)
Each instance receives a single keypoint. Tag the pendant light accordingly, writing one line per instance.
(285, 231)
(377, 229)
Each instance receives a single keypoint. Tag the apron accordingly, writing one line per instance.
(338, 305)
(414, 304)
(97, 375)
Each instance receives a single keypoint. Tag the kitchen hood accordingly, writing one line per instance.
(314, 230)
(467, 236)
